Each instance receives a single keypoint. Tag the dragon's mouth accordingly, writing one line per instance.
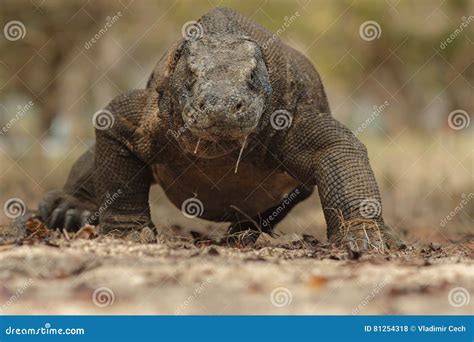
(213, 142)
(213, 149)
(222, 125)
(207, 148)
(217, 133)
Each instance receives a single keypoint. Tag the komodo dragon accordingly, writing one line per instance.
(234, 123)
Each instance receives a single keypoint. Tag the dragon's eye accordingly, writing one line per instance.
(190, 78)
(253, 75)
(254, 82)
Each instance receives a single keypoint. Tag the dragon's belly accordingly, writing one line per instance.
(222, 192)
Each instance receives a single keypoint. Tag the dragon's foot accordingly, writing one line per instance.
(145, 235)
(62, 211)
(364, 235)
(135, 227)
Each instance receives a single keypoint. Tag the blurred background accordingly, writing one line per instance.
(399, 73)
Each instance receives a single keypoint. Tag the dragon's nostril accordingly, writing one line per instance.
(239, 105)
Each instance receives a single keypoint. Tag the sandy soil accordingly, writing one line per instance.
(288, 275)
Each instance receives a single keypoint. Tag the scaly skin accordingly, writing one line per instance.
(206, 98)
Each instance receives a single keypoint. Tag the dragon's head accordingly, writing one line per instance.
(221, 86)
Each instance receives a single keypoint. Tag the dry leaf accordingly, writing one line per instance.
(36, 229)
(88, 232)
(317, 282)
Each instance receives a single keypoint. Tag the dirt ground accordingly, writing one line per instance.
(288, 275)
